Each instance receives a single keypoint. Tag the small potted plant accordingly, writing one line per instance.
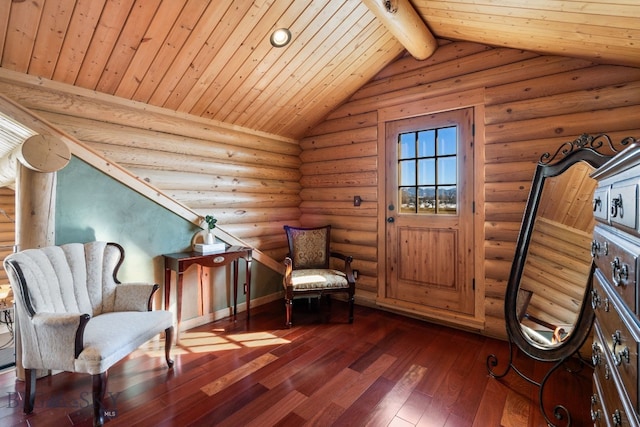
(211, 224)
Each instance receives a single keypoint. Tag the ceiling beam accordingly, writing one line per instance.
(402, 20)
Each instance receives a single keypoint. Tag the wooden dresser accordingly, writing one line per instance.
(616, 250)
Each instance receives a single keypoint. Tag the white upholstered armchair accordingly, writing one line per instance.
(74, 315)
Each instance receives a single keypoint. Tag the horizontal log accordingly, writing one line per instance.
(350, 151)
(568, 125)
(502, 230)
(253, 215)
(494, 308)
(504, 211)
(353, 237)
(340, 222)
(337, 208)
(267, 242)
(366, 283)
(608, 97)
(561, 82)
(355, 121)
(497, 269)
(200, 199)
(257, 229)
(132, 157)
(517, 191)
(365, 267)
(340, 166)
(180, 180)
(495, 288)
(7, 226)
(341, 194)
(338, 139)
(506, 172)
(359, 252)
(368, 178)
(498, 250)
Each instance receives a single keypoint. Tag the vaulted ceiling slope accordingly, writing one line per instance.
(213, 58)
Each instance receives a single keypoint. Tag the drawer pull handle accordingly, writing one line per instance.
(619, 355)
(596, 414)
(616, 206)
(595, 248)
(597, 203)
(619, 271)
(595, 299)
(616, 417)
(595, 354)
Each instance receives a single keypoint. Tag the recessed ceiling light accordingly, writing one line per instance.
(280, 37)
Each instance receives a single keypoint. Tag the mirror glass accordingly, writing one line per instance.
(555, 275)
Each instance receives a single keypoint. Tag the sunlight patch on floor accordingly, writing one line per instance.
(208, 342)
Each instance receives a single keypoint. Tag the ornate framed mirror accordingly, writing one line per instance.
(547, 311)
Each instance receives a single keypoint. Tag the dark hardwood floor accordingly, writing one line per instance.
(383, 370)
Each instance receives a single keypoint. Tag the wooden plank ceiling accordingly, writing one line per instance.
(213, 59)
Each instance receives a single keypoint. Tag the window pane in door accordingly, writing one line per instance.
(447, 141)
(427, 171)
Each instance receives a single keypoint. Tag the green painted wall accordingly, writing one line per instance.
(90, 206)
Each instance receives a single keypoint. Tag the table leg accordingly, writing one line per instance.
(167, 287)
(248, 284)
(235, 287)
(178, 304)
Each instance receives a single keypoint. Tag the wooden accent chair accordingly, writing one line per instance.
(308, 269)
(74, 315)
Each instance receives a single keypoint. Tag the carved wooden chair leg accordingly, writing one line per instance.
(99, 390)
(288, 304)
(351, 304)
(168, 340)
(29, 390)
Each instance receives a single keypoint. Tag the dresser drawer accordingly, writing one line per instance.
(617, 259)
(615, 412)
(623, 204)
(616, 341)
(601, 204)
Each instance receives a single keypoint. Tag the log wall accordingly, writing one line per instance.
(532, 104)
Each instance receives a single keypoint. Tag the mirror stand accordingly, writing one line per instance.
(560, 412)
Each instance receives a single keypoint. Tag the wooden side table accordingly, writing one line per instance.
(181, 261)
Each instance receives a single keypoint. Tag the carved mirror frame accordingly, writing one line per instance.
(584, 149)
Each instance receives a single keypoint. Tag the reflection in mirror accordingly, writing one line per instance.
(555, 275)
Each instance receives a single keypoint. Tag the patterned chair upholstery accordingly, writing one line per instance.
(74, 315)
(308, 269)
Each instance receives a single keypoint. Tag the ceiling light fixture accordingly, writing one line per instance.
(280, 37)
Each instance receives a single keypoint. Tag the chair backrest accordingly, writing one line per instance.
(309, 247)
(76, 277)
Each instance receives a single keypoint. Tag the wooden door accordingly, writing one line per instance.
(429, 201)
